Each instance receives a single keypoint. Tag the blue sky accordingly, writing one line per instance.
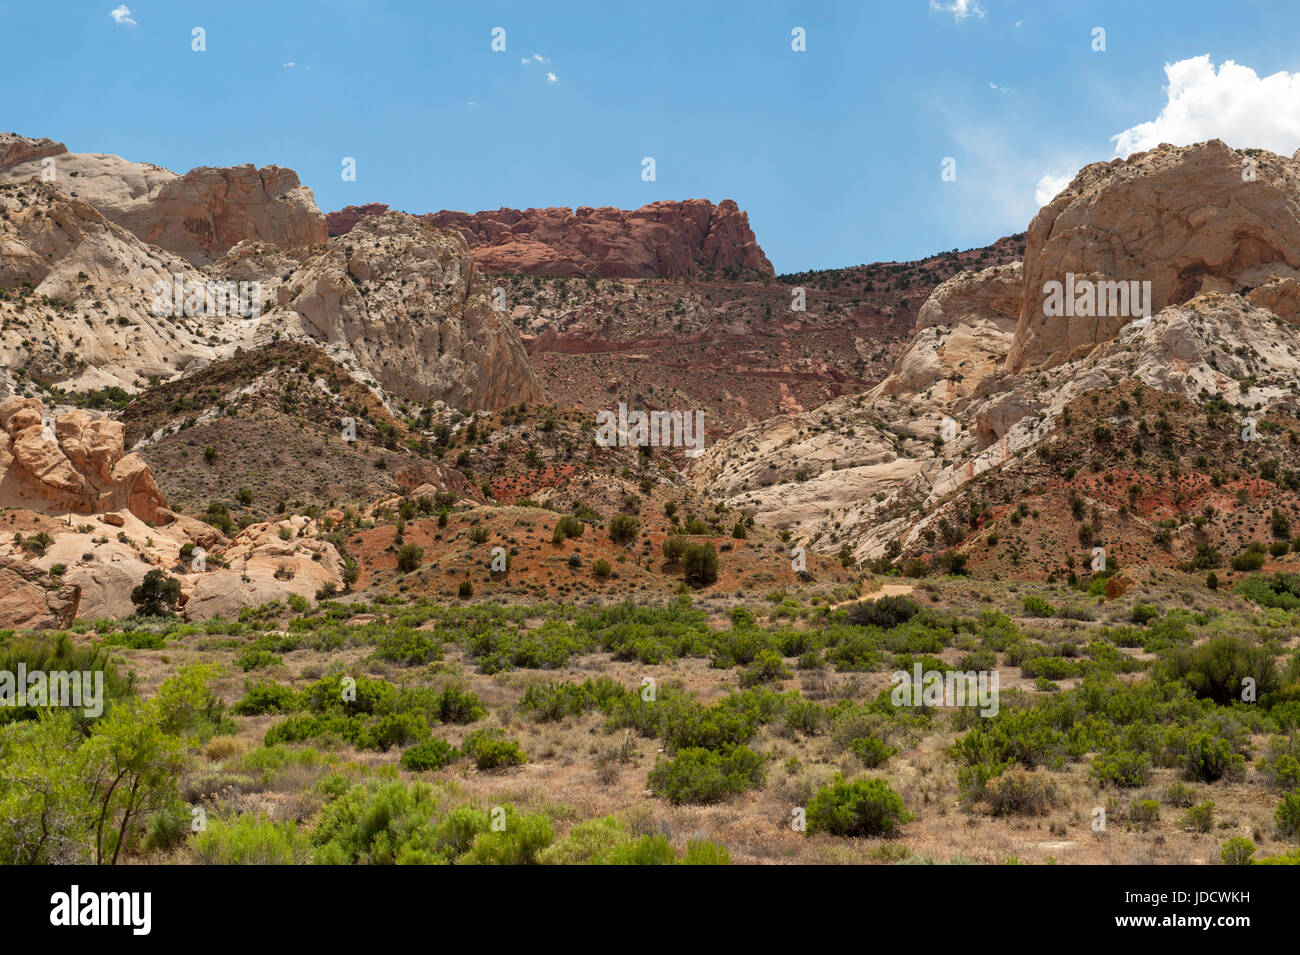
(835, 152)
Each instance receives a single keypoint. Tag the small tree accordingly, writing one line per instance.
(156, 595)
(623, 528)
(409, 557)
(701, 564)
(674, 548)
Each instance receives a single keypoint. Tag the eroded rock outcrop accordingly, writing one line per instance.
(31, 599)
(71, 463)
(199, 215)
(659, 240)
(407, 300)
(1186, 219)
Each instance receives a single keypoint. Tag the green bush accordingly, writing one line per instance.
(431, 754)
(867, 807)
(1036, 606)
(766, 668)
(872, 751)
(409, 557)
(250, 840)
(1120, 767)
(1237, 851)
(886, 612)
(491, 750)
(623, 528)
(700, 563)
(700, 776)
(1287, 814)
(1200, 817)
(1209, 758)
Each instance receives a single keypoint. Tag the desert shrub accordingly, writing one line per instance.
(381, 825)
(1209, 758)
(409, 557)
(1271, 590)
(1279, 765)
(867, 807)
(674, 548)
(1145, 812)
(1216, 668)
(886, 612)
(872, 751)
(567, 527)
(601, 568)
(766, 668)
(267, 697)
(519, 841)
(1020, 792)
(1200, 817)
(700, 776)
(1287, 814)
(1036, 606)
(1237, 851)
(252, 659)
(700, 563)
(407, 646)
(571, 699)
(623, 528)
(1123, 768)
(250, 840)
(491, 750)
(1180, 795)
(1142, 614)
(431, 754)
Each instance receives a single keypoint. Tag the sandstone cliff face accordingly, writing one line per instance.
(1182, 218)
(71, 463)
(659, 240)
(407, 301)
(198, 216)
(988, 375)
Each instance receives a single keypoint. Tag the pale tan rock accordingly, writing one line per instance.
(1183, 218)
(263, 567)
(407, 301)
(1281, 296)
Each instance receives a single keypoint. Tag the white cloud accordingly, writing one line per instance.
(1049, 186)
(552, 78)
(539, 58)
(1234, 104)
(122, 15)
(471, 103)
(1001, 89)
(960, 9)
(290, 65)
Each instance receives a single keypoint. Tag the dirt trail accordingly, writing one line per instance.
(885, 590)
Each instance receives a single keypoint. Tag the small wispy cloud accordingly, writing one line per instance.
(1001, 89)
(290, 65)
(552, 78)
(960, 9)
(471, 104)
(122, 15)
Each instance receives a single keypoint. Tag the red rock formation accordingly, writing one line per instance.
(659, 240)
(342, 221)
